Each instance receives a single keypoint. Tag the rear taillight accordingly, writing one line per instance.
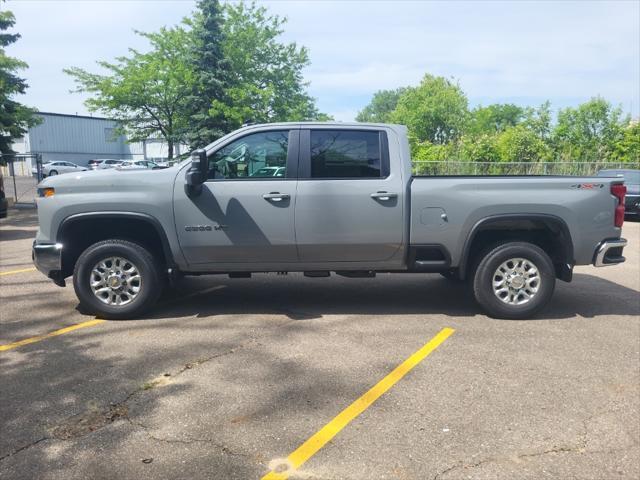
(619, 191)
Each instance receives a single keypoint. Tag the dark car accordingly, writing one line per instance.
(632, 181)
(3, 199)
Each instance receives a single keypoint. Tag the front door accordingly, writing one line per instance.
(349, 206)
(245, 213)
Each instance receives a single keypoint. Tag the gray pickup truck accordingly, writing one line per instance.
(320, 198)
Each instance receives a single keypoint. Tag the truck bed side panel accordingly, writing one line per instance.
(585, 204)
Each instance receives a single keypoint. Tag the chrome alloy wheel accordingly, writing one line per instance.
(516, 281)
(115, 281)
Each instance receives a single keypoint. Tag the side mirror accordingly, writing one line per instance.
(197, 173)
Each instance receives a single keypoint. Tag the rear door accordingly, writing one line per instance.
(244, 214)
(349, 205)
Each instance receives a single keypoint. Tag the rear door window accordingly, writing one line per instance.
(346, 154)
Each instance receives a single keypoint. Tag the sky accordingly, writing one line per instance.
(522, 52)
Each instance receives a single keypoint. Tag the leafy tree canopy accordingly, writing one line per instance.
(434, 111)
(15, 118)
(224, 66)
(382, 104)
(146, 93)
(212, 74)
(589, 131)
(266, 75)
(436, 114)
(494, 118)
(520, 144)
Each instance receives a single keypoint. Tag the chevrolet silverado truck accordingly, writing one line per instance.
(346, 202)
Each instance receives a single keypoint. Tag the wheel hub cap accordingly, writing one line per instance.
(115, 281)
(516, 281)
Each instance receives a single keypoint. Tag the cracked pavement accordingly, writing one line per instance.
(227, 377)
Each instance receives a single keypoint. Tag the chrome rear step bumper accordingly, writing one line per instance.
(609, 252)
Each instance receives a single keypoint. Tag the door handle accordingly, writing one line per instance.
(276, 196)
(384, 196)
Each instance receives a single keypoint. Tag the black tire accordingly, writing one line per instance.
(151, 283)
(53, 173)
(492, 259)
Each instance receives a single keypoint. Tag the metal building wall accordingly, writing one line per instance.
(77, 139)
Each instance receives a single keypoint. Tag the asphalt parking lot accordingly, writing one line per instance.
(226, 379)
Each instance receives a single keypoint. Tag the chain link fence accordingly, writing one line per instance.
(22, 173)
(429, 167)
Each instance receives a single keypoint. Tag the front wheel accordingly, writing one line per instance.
(117, 279)
(53, 173)
(514, 280)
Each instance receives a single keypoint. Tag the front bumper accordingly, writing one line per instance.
(47, 257)
(609, 252)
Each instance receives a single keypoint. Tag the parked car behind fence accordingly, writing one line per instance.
(104, 163)
(632, 181)
(51, 169)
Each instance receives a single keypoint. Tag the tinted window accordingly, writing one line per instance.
(259, 155)
(345, 154)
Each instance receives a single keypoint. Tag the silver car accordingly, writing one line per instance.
(51, 169)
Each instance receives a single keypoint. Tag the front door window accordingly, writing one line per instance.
(258, 155)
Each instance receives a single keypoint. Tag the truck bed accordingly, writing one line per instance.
(444, 209)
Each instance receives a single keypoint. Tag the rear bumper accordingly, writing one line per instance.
(47, 257)
(609, 252)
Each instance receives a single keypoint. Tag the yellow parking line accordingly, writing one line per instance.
(22, 270)
(318, 440)
(55, 333)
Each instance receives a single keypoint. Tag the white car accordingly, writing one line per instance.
(51, 169)
(101, 164)
(138, 165)
(269, 172)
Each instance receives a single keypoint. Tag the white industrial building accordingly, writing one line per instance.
(78, 139)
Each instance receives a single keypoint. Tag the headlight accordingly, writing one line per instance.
(46, 192)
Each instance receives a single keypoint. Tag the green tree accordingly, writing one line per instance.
(266, 82)
(494, 118)
(434, 111)
(146, 93)
(590, 131)
(627, 148)
(212, 74)
(520, 144)
(423, 153)
(539, 120)
(15, 118)
(480, 148)
(382, 104)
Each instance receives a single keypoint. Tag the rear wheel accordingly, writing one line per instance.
(117, 279)
(514, 280)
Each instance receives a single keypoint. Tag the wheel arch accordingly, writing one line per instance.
(549, 232)
(96, 226)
